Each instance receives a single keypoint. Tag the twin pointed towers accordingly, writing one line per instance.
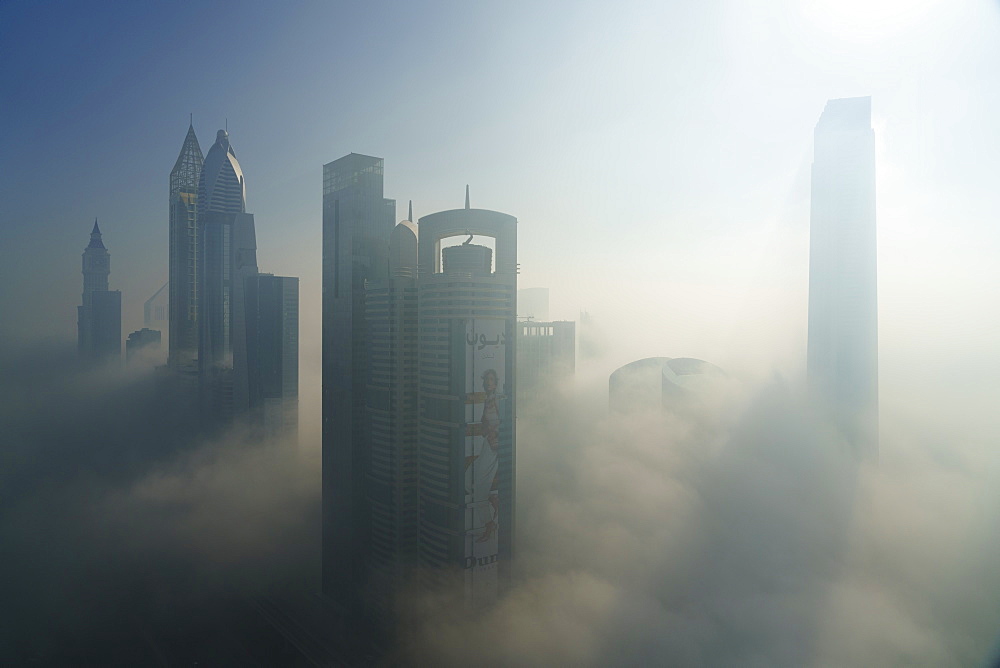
(232, 328)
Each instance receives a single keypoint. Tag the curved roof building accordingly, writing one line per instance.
(657, 382)
(220, 187)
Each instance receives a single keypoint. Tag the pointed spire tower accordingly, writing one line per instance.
(95, 236)
(99, 321)
(183, 264)
(467, 196)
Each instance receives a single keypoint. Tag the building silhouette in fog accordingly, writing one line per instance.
(842, 364)
(546, 357)
(391, 404)
(99, 317)
(467, 352)
(227, 256)
(357, 223)
(660, 383)
(182, 295)
(142, 342)
(272, 335)
(533, 303)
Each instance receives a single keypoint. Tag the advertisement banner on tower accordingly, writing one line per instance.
(485, 363)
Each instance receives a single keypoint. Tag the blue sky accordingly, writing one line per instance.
(656, 154)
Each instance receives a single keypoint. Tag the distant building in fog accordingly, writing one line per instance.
(546, 357)
(533, 303)
(99, 317)
(842, 363)
(156, 309)
(272, 332)
(143, 342)
(659, 383)
(593, 340)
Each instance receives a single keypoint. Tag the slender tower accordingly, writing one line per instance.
(227, 255)
(183, 264)
(391, 402)
(99, 323)
(357, 222)
(842, 363)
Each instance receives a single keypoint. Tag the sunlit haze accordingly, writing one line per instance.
(658, 159)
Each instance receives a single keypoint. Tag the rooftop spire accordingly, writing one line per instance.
(95, 236)
(467, 196)
(409, 215)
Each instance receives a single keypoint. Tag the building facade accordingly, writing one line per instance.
(99, 317)
(357, 222)
(546, 357)
(391, 404)
(227, 256)
(182, 298)
(466, 384)
(842, 364)
(272, 326)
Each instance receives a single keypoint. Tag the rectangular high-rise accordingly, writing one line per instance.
(842, 364)
(546, 357)
(272, 327)
(391, 403)
(357, 221)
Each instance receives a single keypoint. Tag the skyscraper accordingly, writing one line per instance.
(391, 403)
(272, 326)
(842, 364)
(99, 317)
(227, 255)
(546, 356)
(183, 262)
(357, 221)
(467, 349)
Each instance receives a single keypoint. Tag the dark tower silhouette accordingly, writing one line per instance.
(99, 317)
(183, 262)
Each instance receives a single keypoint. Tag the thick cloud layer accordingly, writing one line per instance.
(738, 534)
(122, 530)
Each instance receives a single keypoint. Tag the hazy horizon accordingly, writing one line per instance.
(657, 157)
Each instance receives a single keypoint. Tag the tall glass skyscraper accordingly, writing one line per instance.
(183, 262)
(842, 363)
(227, 255)
(357, 222)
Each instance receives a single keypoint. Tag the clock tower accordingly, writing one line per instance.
(99, 324)
(96, 265)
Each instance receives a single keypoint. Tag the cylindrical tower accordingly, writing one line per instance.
(467, 320)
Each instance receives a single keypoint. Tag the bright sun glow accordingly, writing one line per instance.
(866, 20)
